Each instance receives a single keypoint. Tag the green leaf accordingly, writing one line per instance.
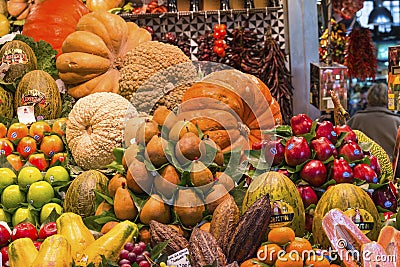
(340, 139)
(105, 219)
(300, 166)
(157, 250)
(232, 161)
(380, 209)
(376, 186)
(116, 166)
(311, 207)
(365, 146)
(185, 179)
(328, 183)
(329, 160)
(139, 200)
(238, 195)
(280, 130)
(118, 154)
(108, 199)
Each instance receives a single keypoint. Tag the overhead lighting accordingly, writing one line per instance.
(380, 15)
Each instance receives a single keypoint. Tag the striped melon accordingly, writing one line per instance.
(38, 88)
(379, 152)
(80, 197)
(287, 206)
(6, 106)
(346, 197)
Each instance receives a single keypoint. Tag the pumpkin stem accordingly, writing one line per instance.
(244, 129)
(89, 130)
(123, 184)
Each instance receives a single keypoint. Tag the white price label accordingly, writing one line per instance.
(179, 259)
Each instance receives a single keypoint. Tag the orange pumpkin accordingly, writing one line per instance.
(232, 108)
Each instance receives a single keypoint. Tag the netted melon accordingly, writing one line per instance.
(6, 103)
(80, 197)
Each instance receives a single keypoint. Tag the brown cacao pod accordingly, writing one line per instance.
(204, 250)
(250, 230)
(224, 220)
(160, 232)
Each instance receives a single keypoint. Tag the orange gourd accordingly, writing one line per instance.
(389, 239)
(232, 108)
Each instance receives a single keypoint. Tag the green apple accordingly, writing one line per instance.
(7, 177)
(23, 214)
(47, 209)
(12, 197)
(56, 174)
(5, 216)
(28, 176)
(40, 193)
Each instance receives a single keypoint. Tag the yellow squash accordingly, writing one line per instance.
(22, 252)
(55, 251)
(71, 226)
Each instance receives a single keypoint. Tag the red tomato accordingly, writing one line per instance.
(217, 35)
(219, 50)
(222, 27)
(219, 43)
(217, 27)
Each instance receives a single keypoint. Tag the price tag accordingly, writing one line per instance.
(179, 259)
(26, 114)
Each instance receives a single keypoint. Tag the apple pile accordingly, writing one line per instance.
(316, 155)
(23, 230)
(39, 144)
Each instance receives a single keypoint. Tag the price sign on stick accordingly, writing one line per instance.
(179, 259)
(396, 152)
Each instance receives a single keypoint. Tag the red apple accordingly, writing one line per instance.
(276, 151)
(5, 235)
(6, 147)
(323, 148)
(4, 255)
(297, 150)
(24, 229)
(301, 124)
(284, 172)
(47, 230)
(38, 129)
(314, 172)
(365, 172)
(385, 198)
(37, 244)
(341, 171)
(374, 163)
(257, 145)
(39, 160)
(58, 126)
(3, 130)
(60, 157)
(351, 151)
(26, 146)
(17, 131)
(308, 195)
(351, 136)
(325, 129)
(51, 144)
(15, 161)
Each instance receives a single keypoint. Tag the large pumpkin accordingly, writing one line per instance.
(38, 88)
(53, 20)
(6, 103)
(92, 54)
(348, 198)
(80, 197)
(286, 203)
(231, 107)
(19, 58)
(95, 127)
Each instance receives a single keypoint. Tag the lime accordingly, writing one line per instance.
(56, 174)
(7, 177)
(47, 209)
(12, 197)
(5, 216)
(40, 193)
(28, 176)
(23, 214)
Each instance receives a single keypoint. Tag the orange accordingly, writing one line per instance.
(250, 262)
(271, 253)
(3, 130)
(291, 259)
(334, 265)
(317, 261)
(281, 235)
(300, 245)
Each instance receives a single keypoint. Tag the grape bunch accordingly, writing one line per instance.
(134, 253)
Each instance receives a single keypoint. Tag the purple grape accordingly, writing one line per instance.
(144, 264)
(146, 253)
(142, 245)
(140, 258)
(137, 249)
(129, 246)
(123, 254)
(131, 257)
(124, 261)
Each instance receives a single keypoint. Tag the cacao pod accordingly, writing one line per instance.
(160, 232)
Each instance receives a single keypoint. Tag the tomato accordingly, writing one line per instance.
(219, 43)
(217, 27)
(219, 50)
(222, 34)
(222, 27)
(217, 35)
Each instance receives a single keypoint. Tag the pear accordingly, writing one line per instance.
(226, 180)
(146, 131)
(167, 181)
(129, 154)
(218, 157)
(104, 206)
(155, 151)
(155, 209)
(138, 178)
(188, 148)
(131, 129)
(217, 194)
(200, 175)
(115, 183)
(189, 207)
(164, 117)
(124, 207)
(180, 128)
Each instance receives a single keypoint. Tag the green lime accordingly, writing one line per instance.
(7, 177)
(40, 193)
(28, 176)
(56, 174)
(12, 197)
